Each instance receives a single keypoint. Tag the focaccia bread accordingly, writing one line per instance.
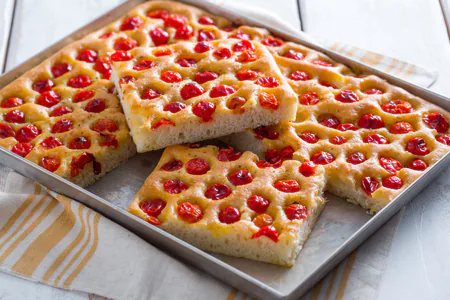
(228, 202)
(185, 93)
(318, 79)
(373, 139)
(354, 134)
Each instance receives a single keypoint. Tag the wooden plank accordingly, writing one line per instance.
(411, 31)
(445, 5)
(6, 19)
(6, 16)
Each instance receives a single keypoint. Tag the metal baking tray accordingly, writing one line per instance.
(340, 229)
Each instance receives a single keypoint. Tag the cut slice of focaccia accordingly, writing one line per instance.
(187, 93)
(231, 203)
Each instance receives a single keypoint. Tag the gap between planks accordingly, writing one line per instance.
(299, 11)
(4, 170)
(445, 6)
(8, 43)
(8, 33)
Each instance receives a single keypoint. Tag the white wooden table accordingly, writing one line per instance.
(412, 30)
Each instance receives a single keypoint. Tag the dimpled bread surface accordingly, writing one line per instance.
(176, 182)
(374, 139)
(198, 93)
(63, 116)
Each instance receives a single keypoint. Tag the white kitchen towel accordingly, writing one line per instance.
(48, 238)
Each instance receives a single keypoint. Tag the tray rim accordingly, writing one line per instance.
(158, 236)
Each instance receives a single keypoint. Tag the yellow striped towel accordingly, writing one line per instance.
(49, 238)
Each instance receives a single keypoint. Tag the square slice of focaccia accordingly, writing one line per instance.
(228, 202)
(187, 93)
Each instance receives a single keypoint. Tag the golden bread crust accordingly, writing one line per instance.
(209, 233)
